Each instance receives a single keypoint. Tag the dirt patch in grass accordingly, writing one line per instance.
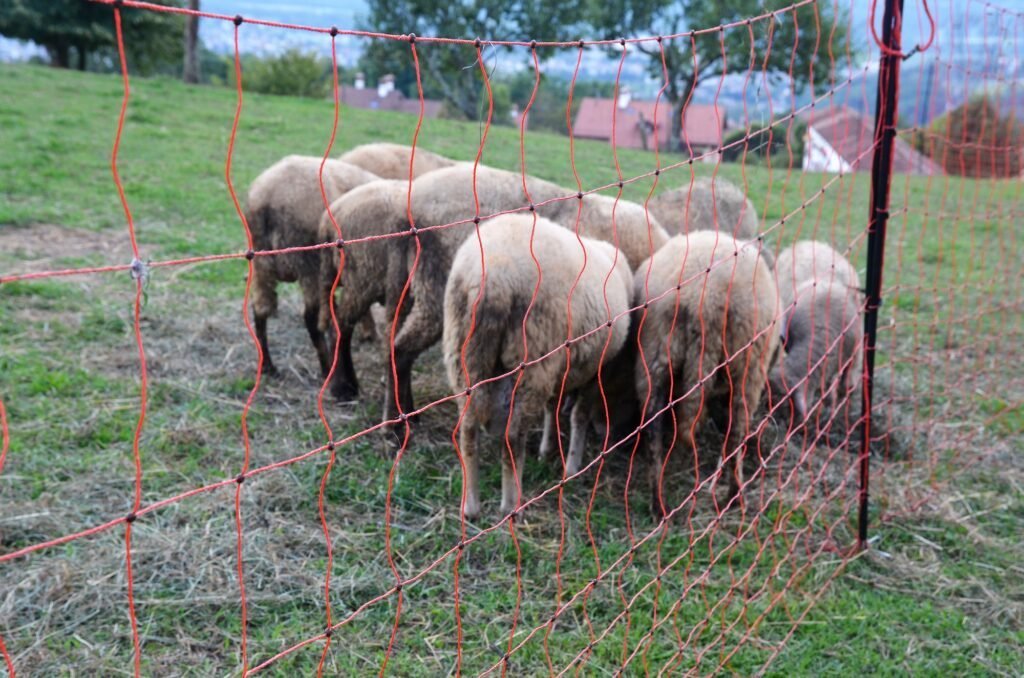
(47, 246)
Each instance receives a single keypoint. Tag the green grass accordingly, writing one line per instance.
(941, 592)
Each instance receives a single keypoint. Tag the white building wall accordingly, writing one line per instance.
(819, 156)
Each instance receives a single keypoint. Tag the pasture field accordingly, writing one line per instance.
(940, 592)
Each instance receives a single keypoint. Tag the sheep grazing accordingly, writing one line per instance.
(822, 337)
(493, 327)
(446, 196)
(717, 327)
(811, 260)
(372, 209)
(391, 161)
(283, 210)
(707, 205)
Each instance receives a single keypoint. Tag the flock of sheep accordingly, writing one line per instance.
(556, 301)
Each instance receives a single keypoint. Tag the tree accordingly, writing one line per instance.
(793, 41)
(190, 73)
(451, 70)
(76, 27)
(548, 109)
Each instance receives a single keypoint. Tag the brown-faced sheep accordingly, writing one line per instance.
(372, 209)
(391, 161)
(821, 335)
(283, 210)
(493, 327)
(811, 260)
(712, 337)
(446, 196)
(709, 205)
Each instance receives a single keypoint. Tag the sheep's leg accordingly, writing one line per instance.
(547, 438)
(512, 479)
(736, 445)
(654, 430)
(468, 447)
(367, 328)
(260, 323)
(344, 384)
(579, 423)
(264, 302)
(420, 330)
(397, 278)
(311, 316)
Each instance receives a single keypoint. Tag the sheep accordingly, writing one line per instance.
(716, 327)
(445, 196)
(822, 338)
(283, 210)
(493, 327)
(372, 209)
(811, 259)
(709, 204)
(391, 161)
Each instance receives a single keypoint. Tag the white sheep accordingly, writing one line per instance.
(713, 336)
(493, 328)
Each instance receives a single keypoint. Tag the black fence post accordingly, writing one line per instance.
(886, 106)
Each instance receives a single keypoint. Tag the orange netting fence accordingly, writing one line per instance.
(724, 413)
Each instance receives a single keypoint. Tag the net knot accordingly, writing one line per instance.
(139, 270)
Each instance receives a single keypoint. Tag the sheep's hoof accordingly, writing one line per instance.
(544, 452)
(393, 437)
(471, 509)
(518, 515)
(268, 369)
(657, 508)
(345, 392)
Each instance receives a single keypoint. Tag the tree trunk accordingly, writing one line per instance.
(59, 55)
(83, 58)
(191, 70)
(678, 97)
(676, 134)
(460, 95)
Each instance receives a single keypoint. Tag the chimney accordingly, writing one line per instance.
(360, 80)
(385, 86)
(625, 96)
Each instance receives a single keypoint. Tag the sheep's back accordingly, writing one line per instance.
(391, 161)
(808, 260)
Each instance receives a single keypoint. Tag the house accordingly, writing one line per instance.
(386, 98)
(635, 124)
(840, 139)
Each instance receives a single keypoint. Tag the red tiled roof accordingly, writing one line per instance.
(594, 121)
(852, 136)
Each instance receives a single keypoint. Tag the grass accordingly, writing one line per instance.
(940, 592)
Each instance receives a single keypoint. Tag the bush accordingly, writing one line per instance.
(974, 140)
(293, 73)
